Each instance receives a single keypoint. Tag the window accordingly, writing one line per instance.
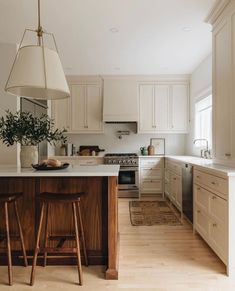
(203, 121)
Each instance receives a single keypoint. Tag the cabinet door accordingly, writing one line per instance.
(201, 222)
(94, 108)
(60, 113)
(221, 94)
(179, 108)
(218, 239)
(161, 103)
(78, 108)
(146, 108)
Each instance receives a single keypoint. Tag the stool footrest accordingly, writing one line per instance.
(58, 237)
(58, 250)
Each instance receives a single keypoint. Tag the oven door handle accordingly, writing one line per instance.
(128, 169)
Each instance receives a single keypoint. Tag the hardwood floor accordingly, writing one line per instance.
(161, 258)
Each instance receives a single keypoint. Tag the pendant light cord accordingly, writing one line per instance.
(39, 30)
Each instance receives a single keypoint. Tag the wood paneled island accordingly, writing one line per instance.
(98, 205)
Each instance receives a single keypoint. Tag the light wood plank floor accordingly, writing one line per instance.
(161, 258)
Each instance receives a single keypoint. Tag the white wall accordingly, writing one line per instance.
(8, 155)
(200, 86)
(175, 143)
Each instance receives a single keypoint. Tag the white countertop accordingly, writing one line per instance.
(75, 157)
(205, 163)
(71, 171)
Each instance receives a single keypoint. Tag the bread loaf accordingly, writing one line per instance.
(52, 163)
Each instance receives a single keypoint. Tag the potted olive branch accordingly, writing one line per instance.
(29, 131)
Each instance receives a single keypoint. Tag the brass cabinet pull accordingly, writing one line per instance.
(227, 155)
(214, 197)
(198, 211)
(214, 224)
(198, 188)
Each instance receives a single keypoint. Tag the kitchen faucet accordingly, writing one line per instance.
(204, 153)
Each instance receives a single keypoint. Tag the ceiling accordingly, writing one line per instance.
(117, 36)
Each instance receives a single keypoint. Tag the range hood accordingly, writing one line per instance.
(120, 100)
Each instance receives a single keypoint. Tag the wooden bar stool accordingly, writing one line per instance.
(51, 198)
(5, 200)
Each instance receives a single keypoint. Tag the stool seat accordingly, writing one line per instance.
(60, 197)
(10, 197)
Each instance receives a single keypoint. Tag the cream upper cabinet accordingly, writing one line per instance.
(222, 99)
(82, 113)
(222, 19)
(86, 108)
(146, 107)
(179, 108)
(163, 108)
(61, 113)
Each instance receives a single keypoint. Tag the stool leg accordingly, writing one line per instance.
(77, 244)
(46, 235)
(82, 233)
(21, 234)
(8, 244)
(37, 247)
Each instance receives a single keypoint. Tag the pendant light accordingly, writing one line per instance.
(37, 71)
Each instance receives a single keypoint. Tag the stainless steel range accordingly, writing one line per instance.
(128, 179)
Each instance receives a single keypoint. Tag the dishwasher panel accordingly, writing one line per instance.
(187, 188)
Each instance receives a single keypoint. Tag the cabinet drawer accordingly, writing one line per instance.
(155, 173)
(151, 162)
(216, 183)
(151, 186)
(89, 162)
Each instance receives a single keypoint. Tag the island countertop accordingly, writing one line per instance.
(71, 171)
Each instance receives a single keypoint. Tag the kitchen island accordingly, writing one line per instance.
(98, 206)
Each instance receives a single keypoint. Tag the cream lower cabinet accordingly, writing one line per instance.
(80, 160)
(211, 211)
(173, 182)
(151, 175)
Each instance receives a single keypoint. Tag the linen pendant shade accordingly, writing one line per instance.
(37, 72)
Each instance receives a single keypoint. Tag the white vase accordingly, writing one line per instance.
(28, 156)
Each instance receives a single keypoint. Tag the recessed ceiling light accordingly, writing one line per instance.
(114, 30)
(187, 29)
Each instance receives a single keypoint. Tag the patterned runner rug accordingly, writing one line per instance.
(152, 213)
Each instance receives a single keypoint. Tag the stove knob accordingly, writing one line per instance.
(119, 162)
(114, 162)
